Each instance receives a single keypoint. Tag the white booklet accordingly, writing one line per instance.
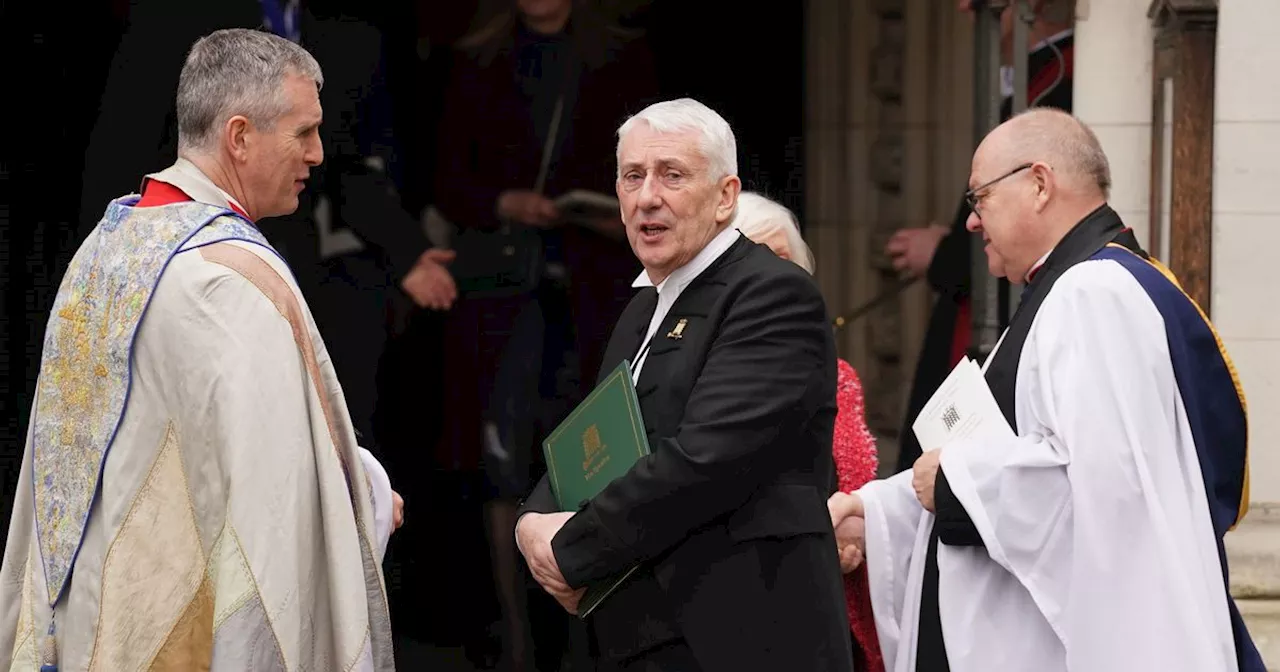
(962, 408)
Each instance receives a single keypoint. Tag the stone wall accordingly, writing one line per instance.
(888, 145)
(1246, 231)
(1114, 94)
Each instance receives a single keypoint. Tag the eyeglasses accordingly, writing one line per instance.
(971, 197)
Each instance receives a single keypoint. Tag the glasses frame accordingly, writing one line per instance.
(971, 197)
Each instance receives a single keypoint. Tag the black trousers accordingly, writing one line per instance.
(673, 656)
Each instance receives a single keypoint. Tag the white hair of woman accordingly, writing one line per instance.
(717, 144)
(771, 223)
(232, 72)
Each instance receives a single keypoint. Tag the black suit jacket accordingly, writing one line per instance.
(728, 513)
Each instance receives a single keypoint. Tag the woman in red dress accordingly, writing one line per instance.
(853, 446)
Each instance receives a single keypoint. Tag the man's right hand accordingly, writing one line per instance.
(850, 528)
(429, 284)
(912, 249)
(527, 207)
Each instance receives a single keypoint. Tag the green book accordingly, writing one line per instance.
(599, 441)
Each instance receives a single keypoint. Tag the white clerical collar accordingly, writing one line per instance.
(705, 257)
(188, 177)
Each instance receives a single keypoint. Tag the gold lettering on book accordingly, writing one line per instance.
(594, 456)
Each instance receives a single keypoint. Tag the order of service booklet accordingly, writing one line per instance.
(961, 408)
(598, 442)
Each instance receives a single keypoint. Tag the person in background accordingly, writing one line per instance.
(366, 253)
(942, 254)
(530, 111)
(350, 244)
(853, 447)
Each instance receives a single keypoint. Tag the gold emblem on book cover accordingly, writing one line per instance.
(592, 446)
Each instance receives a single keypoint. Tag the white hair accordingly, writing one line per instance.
(717, 144)
(758, 218)
(236, 72)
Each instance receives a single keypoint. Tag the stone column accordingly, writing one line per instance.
(887, 145)
(1113, 54)
(1246, 232)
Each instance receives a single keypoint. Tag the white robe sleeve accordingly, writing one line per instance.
(897, 531)
(383, 506)
(1098, 509)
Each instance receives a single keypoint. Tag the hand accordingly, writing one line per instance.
(534, 533)
(851, 541)
(850, 528)
(924, 475)
(429, 283)
(527, 207)
(912, 249)
(570, 601)
(842, 505)
(397, 510)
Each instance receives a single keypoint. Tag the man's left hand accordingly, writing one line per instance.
(397, 510)
(924, 474)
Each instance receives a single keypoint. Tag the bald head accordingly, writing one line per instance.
(1033, 179)
(1058, 139)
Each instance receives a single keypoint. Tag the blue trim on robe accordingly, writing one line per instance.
(1215, 411)
(130, 255)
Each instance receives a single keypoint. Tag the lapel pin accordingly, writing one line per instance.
(678, 332)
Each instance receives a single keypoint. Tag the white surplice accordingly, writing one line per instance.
(1099, 549)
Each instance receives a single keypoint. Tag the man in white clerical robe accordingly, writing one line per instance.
(1091, 542)
(192, 495)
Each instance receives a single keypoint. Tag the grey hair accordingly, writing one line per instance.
(717, 143)
(758, 217)
(1045, 133)
(236, 72)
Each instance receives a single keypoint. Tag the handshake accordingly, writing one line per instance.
(849, 519)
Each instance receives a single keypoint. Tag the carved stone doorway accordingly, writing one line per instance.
(888, 137)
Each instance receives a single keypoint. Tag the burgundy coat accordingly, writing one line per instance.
(488, 145)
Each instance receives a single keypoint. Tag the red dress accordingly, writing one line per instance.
(854, 450)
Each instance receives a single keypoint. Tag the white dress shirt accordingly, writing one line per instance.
(669, 289)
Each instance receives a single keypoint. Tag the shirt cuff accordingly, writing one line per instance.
(383, 504)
